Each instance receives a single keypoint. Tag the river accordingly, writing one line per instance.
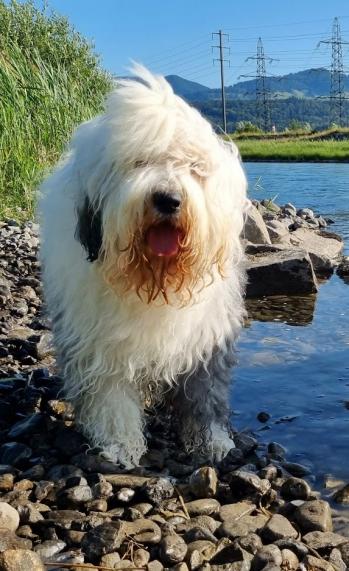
(294, 363)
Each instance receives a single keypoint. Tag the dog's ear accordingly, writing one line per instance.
(89, 229)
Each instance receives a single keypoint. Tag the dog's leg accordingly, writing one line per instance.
(202, 405)
(111, 418)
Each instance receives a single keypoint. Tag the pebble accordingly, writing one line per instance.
(205, 506)
(75, 508)
(173, 549)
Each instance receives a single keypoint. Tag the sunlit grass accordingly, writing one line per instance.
(300, 150)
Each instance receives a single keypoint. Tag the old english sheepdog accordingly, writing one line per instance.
(142, 268)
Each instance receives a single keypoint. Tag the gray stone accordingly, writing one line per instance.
(290, 560)
(335, 558)
(141, 557)
(278, 527)
(324, 248)
(9, 518)
(8, 540)
(103, 539)
(234, 512)
(277, 230)
(173, 549)
(280, 272)
(255, 230)
(20, 560)
(314, 515)
(243, 526)
(324, 539)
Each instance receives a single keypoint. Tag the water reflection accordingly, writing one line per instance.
(293, 310)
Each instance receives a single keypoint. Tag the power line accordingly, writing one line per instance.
(222, 60)
(337, 95)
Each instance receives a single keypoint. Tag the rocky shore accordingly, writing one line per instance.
(63, 507)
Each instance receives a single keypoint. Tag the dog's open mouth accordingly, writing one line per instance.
(164, 239)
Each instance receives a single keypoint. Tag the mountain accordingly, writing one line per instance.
(302, 96)
(314, 82)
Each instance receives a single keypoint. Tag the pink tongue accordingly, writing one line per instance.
(163, 239)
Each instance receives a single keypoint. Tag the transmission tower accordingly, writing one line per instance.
(263, 99)
(221, 59)
(337, 95)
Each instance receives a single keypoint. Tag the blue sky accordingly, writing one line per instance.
(174, 37)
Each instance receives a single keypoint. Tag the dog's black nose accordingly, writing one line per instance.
(166, 202)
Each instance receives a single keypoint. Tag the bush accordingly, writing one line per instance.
(299, 126)
(247, 127)
(50, 81)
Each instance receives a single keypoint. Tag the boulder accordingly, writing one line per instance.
(278, 231)
(255, 230)
(343, 269)
(324, 248)
(280, 272)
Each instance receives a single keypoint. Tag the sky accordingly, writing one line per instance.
(175, 37)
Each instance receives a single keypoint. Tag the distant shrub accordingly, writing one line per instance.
(50, 80)
(247, 127)
(301, 126)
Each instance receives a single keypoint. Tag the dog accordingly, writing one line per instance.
(143, 269)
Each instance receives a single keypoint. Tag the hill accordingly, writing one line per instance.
(309, 83)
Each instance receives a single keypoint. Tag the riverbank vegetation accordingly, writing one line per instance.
(50, 81)
(293, 149)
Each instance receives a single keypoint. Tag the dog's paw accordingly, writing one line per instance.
(122, 456)
(220, 444)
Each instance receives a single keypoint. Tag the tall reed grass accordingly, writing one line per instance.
(50, 80)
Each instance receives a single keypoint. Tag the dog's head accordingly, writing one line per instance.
(162, 197)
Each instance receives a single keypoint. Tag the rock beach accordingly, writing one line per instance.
(62, 506)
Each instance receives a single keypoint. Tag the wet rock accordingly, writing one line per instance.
(203, 482)
(278, 527)
(245, 442)
(314, 515)
(9, 518)
(342, 495)
(263, 416)
(20, 560)
(173, 549)
(205, 506)
(296, 469)
(324, 539)
(295, 489)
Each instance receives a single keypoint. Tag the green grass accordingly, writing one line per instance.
(50, 80)
(300, 150)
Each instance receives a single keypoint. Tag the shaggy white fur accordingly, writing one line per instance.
(127, 316)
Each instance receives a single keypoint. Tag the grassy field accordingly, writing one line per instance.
(296, 150)
(50, 81)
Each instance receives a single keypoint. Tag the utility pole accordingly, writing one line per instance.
(263, 100)
(222, 60)
(337, 88)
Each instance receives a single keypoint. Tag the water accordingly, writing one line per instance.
(294, 360)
